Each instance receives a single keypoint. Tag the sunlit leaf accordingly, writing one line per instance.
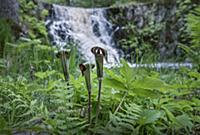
(151, 84)
(150, 116)
(115, 84)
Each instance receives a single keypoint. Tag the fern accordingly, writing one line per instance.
(133, 119)
(193, 27)
(53, 110)
(123, 122)
(67, 119)
(39, 108)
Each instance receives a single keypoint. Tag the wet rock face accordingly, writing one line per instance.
(9, 9)
(156, 24)
(153, 24)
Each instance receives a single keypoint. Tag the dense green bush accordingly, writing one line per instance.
(193, 51)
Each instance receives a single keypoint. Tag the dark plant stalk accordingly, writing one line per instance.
(64, 57)
(89, 88)
(99, 54)
(89, 106)
(85, 69)
(64, 62)
(98, 99)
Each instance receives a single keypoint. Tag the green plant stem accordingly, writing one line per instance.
(89, 106)
(98, 100)
(120, 104)
(64, 62)
(118, 107)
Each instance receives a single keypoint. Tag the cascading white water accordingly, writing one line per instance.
(89, 27)
(86, 27)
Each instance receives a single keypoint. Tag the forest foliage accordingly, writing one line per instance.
(35, 97)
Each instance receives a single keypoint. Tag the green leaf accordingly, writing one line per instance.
(127, 72)
(151, 84)
(113, 83)
(150, 116)
(144, 93)
(185, 121)
(169, 114)
(196, 119)
(43, 75)
(195, 84)
(194, 74)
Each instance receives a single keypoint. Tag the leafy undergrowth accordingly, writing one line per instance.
(35, 98)
(134, 101)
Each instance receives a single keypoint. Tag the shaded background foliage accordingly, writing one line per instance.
(35, 98)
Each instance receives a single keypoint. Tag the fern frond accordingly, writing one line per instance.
(123, 121)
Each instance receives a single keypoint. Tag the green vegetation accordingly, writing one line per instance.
(150, 31)
(134, 101)
(193, 26)
(35, 97)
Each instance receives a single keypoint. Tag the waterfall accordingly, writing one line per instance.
(84, 27)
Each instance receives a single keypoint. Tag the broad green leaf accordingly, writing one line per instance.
(150, 116)
(151, 84)
(127, 72)
(115, 84)
(115, 76)
(144, 93)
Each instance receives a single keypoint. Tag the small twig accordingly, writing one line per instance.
(118, 107)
